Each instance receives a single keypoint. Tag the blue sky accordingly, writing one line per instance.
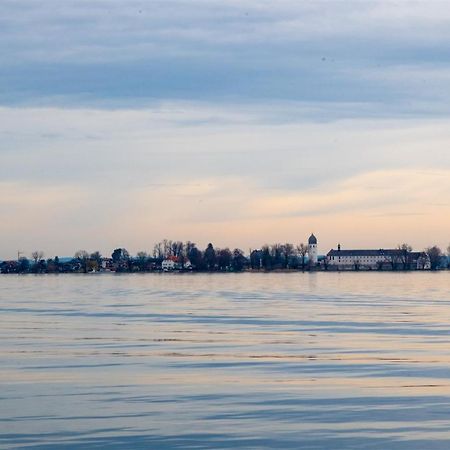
(237, 122)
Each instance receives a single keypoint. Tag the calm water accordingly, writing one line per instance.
(309, 361)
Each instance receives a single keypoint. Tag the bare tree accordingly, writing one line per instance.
(405, 255)
(302, 250)
(393, 258)
(157, 251)
(37, 255)
(288, 251)
(83, 257)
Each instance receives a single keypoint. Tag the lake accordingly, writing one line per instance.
(171, 361)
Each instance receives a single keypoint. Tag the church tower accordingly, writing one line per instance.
(312, 250)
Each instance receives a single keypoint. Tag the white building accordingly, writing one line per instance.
(168, 265)
(173, 263)
(377, 259)
(312, 250)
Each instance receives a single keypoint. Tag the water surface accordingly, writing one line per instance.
(310, 361)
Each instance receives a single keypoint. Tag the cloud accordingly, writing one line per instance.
(203, 172)
(238, 121)
(119, 149)
(120, 53)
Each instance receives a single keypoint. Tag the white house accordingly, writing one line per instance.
(173, 263)
(168, 265)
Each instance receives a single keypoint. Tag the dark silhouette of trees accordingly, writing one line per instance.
(210, 257)
(37, 255)
(24, 265)
(142, 260)
(302, 250)
(82, 256)
(96, 260)
(119, 255)
(121, 260)
(223, 259)
(239, 261)
(288, 251)
(266, 258)
(256, 259)
(158, 251)
(196, 258)
(435, 255)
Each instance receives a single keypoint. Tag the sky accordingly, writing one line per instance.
(233, 122)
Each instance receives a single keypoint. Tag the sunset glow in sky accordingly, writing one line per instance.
(235, 122)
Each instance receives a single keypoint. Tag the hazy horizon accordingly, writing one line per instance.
(237, 123)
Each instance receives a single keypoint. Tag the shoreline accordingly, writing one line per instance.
(260, 272)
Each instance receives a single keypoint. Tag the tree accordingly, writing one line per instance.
(57, 263)
(167, 248)
(393, 258)
(435, 255)
(276, 252)
(405, 255)
(255, 259)
(83, 257)
(302, 250)
(196, 258)
(24, 265)
(142, 259)
(266, 258)
(210, 257)
(37, 255)
(224, 259)
(116, 255)
(288, 250)
(158, 251)
(51, 267)
(239, 261)
(121, 259)
(96, 260)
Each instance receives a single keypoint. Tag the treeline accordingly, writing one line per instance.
(180, 256)
(186, 256)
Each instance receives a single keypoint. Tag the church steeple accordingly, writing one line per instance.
(312, 249)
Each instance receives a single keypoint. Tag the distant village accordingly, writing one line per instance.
(176, 256)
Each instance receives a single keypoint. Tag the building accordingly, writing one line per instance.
(175, 263)
(377, 259)
(312, 250)
(168, 265)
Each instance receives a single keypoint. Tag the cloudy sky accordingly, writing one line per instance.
(236, 122)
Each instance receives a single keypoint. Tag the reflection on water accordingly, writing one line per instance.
(311, 361)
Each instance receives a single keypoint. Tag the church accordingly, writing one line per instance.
(367, 259)
(312, 250)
